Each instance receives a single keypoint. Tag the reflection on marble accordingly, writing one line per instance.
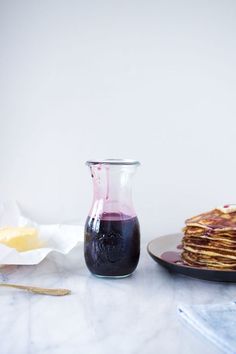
(126, 316)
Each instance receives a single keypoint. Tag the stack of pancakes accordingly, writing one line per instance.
(210, 239)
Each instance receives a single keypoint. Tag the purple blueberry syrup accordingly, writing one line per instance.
(112, 244)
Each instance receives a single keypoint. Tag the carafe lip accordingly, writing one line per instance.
(113, 162)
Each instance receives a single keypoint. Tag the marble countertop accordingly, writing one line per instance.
(102, 316)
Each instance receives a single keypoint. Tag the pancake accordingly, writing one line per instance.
(210, 239)
(223, 218)
(197, 231)
(192, 259)
(206, 242)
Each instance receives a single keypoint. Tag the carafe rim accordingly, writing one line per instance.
(113, 162)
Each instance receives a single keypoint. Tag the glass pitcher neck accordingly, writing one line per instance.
(112, 183)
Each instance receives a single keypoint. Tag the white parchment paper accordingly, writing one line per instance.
(55, 237)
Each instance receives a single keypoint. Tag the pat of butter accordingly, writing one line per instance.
(20, 238)
(226, 209)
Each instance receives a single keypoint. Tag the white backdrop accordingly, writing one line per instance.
(150, 80)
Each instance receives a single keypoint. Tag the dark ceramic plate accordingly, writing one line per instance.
(157, 248)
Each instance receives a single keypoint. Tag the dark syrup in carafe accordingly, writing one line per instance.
(112, 244)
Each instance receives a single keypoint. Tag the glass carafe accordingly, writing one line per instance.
(112, 235)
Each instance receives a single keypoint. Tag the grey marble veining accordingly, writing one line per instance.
(126, 316)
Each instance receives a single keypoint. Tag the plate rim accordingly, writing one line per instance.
(175, 266)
